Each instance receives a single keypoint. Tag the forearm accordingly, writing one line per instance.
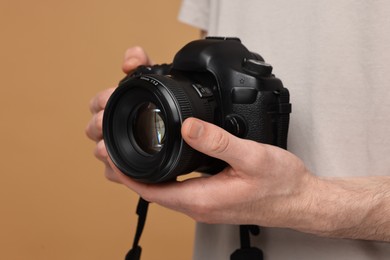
(357, 208)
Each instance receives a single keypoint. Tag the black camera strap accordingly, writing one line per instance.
(142, 211)
(246, 252)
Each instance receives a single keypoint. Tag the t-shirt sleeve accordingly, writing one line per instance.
(195, 13)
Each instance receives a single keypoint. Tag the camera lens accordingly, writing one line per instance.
(142, 126)
(148, 128)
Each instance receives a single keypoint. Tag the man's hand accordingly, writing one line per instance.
(260, 186)
(269, 186)
(134, 57)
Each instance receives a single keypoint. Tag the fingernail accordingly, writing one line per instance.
(195, 130)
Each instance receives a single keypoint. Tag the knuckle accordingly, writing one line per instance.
(219, 143)
(88, 131)
(98, 154)
(101, 152)
(110, 174)
(101, 101)
(91, 104)
(98, 102)
(99, 122)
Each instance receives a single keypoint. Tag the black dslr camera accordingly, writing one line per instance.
(217, 80)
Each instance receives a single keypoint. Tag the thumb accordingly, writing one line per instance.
(215, 142)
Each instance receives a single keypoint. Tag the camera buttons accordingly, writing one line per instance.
(203, 92)
(236, 125)
(257, 68)
(244, 95)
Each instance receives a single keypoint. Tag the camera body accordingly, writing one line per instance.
(217, 80)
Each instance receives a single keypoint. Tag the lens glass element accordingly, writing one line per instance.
(148, 128)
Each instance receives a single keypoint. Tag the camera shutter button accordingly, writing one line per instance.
(257, 68)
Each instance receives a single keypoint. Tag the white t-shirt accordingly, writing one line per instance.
(334, 57)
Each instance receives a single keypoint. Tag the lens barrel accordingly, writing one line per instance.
(142, 123)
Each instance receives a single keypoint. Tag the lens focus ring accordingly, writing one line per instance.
(180, 96)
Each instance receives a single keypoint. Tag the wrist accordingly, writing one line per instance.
(340, 207)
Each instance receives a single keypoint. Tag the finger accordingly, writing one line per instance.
(191, 197)
(101, 154)
(183, 196)
(94, 128)
(134, 57)
(101, 151)
(218, 143)
(99, 102)
(110, 174)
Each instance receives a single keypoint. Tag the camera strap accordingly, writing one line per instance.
(246, 252)
(142, 211)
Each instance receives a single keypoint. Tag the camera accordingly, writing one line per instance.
(217, 80)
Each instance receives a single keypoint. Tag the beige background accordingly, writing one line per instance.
(54, 200)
